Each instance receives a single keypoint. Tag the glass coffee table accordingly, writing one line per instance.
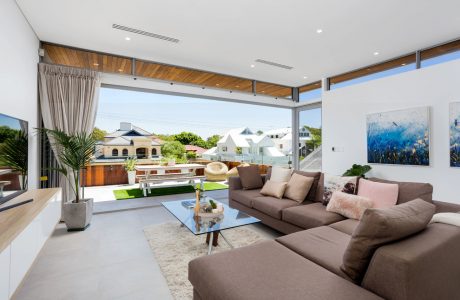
(183, 210)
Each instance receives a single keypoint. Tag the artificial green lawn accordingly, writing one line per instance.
(137, 193)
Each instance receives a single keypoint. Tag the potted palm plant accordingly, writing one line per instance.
(130, 167)
(74, 152)
(13, 154)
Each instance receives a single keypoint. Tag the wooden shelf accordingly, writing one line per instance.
(15, 220)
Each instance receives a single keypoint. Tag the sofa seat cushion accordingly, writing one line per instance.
(322, 245)
(245, 197)
(272, 206)
(345, 226)
(268, 270)
(311, 215)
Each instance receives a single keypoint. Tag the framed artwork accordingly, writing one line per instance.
(400, 137)
(454, 134)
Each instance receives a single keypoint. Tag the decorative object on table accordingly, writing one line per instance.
(332, 183)
(399, 137)
(197, 201)
(130, 167)
(216, 171)
(210, 210)
(358, 170)
(454, 121)
(74, 153)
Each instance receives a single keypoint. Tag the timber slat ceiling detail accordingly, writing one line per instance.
(309, 87)
(87, 60)
(114, 64)
(402, 61)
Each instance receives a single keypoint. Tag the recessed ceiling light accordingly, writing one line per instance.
(403, 64)
(127, 38)
(263, 91)
(252, 66)
(305, 77)
(120, 70)
(217, 84)
(319, 30)
(96, 64)
(237, 86)
(376, 53)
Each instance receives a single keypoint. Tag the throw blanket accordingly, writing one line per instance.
(447, 218)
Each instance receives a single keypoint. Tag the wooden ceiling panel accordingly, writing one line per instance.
(274, 90)
(440, 50)
(310, 87)
(87, 60)
(395, 63)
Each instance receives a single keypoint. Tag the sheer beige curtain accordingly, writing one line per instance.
(68, 102)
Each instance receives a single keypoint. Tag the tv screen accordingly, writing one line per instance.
(13, 157)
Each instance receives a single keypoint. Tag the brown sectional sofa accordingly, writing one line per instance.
(305, 264)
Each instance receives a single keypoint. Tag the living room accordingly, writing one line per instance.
(366, 207)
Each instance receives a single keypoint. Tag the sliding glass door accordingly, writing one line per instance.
(310, 139)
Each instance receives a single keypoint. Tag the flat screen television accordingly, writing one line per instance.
(13, 157)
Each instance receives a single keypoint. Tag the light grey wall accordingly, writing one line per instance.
(18, 75)
(344, 124)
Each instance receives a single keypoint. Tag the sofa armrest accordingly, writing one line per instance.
(446, 207)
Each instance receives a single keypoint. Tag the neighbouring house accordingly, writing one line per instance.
(196, 149)
(282, 138)
(129, 140)
(241, 144)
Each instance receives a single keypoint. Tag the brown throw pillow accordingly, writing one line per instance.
(274, 188)
(298, 187)
(250, 177)
(381, 226)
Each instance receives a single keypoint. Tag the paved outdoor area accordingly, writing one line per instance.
(110, 260)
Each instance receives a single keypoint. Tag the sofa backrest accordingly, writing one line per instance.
(423, 266)
(410, 190)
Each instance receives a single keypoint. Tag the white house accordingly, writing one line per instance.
(282, 138)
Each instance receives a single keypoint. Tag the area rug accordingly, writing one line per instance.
(124, 194)
(174, 246)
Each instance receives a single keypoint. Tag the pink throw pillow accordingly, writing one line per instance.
(384, 195)
(347, 205)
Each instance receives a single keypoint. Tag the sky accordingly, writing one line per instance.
(167, 114)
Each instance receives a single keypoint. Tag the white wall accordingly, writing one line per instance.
(18, 75)
(344, 124)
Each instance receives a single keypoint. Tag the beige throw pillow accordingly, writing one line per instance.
(274, 189)
(280, 174)
(298, 187)
(347, 205)
(380, 226)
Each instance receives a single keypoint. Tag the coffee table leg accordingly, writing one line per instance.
(225, 239)
(214, 242)
(209, 248)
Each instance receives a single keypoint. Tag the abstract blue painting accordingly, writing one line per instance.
(399, 137)
(454, 122)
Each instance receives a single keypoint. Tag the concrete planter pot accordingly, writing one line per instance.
(131, 177)
(77, 216)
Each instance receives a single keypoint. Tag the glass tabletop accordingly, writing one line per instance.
(183, 210)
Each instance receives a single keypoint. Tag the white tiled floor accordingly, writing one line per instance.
(110, 260)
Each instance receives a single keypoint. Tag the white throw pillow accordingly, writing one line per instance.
(348, 205)
(447, 218)
(280, 174)
(274, 188)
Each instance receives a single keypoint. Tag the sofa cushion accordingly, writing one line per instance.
(298, 187)
(274, 189)
(424, 266)
(245, 197)
(345, 226)
(268, 271)
(272, 206)
(349, 206)
(250, 177)
(322, 245)
(410, 190)
(280, 174)
(384, 195)
(310, 215)
(315, 187)
(333, 183)
(381, 226)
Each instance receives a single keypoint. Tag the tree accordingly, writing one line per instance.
(99, 134)
(173, 149)
(259, 132)
(165, 137)
(7, 133)
(189, 138)
(212, 141)
(316, 137)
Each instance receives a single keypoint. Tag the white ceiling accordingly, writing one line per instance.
(228, 36)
